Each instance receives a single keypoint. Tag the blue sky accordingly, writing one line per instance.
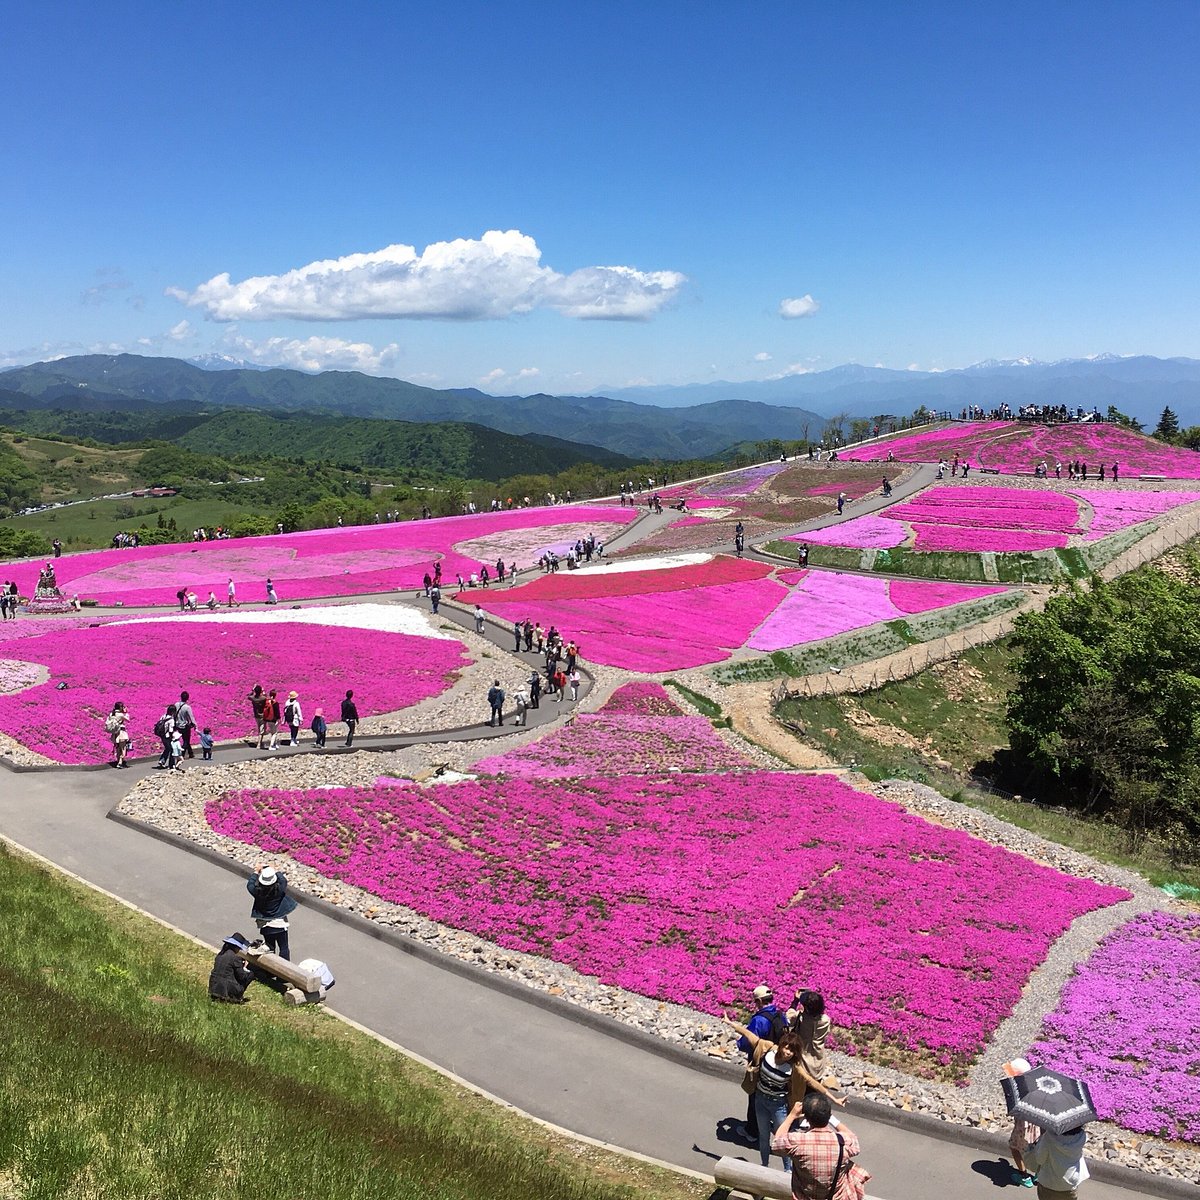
(598, 194)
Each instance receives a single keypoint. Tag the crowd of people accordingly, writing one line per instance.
(1045, 414)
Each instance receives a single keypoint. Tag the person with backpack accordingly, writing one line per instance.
(164, 730)
(293, 715)
(495, 698)
(767, 1022)
(271, 719)
(319, 728)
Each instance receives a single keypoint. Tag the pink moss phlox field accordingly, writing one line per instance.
(642, 698)
(606, 743)
(665, 884)
(868, 532)
(975, 540)
(921, 595)
(1017, 448)
(827, 603)
(651, 621)
(321, 562)
(991, 508)
(1115, 510)
(1127, 1024)
(146, 664)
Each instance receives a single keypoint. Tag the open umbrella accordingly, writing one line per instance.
(1048, 1099)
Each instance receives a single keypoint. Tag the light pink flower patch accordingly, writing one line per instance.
(321, 562)
(147, 663)
(651, 883)
(1114, 510)
(868, 532)
(827, 603)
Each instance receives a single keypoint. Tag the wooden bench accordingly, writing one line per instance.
(737, 1175)
(1153, 478)
(989, 470)
(303, 988)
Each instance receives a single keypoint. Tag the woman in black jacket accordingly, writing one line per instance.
(271, 907)
(230, 976)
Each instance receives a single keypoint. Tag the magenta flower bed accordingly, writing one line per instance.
(827, 603)
(976, 540)
(1127, 1024)
(147, 663)
(322, 562)
(1018, 448)
(642, 698)
(665, 884)
(1113, 510)
(607, 743)
(651, 621)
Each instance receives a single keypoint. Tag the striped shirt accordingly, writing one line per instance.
(773, 1076)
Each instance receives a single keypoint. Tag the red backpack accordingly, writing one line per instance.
(270, 710)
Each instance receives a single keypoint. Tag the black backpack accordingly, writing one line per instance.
(779, 1026)
(160, 727)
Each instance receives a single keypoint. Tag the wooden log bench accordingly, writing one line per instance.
(989, 470)
(737, 1175)
(1153, 478)
(303, 988)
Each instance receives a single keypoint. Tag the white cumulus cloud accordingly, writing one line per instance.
(314, 353)
(499, 377)
(498, 275)
(803, 306)
(762, 356)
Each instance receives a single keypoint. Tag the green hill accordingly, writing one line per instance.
(452, 449)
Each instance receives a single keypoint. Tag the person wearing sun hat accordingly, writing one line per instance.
(271, 907)
(1023, 1133)
(230, 976)
(294, 716)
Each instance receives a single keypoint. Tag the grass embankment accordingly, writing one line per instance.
(121, 1079)
(944, 723)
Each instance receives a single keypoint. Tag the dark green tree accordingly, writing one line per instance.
(1167, 429)
(1107, 701)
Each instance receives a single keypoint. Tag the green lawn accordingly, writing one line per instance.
(121, 1079)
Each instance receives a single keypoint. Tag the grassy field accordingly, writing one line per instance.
(941, 725)
(121, 1079)
(71, 472)
(88, 526)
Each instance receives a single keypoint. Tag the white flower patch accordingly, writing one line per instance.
(660, 562)
(386, 618)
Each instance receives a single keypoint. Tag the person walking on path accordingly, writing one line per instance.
(185, 721)
(478, 619)
(560, 684)
(435, 597)
(206, 744)
(231, 593)
(535, 689)
(258, 706)
(164, 730)
(822, 1155)
(495, 699)
(115, 726)
(841, 502)
(1057, 1161)
(521, 700)
(271, 597)
(1023, 1134)
(573, 682)
(518, 633)
(293, 714)
(271, 907)
(319, 728)
(350, 716)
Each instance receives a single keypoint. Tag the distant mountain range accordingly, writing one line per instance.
(1139, 385)
(692, 421)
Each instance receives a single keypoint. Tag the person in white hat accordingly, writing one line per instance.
(1023, 1133)
(272, 904)
(294, 716)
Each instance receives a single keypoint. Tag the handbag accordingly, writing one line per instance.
(750, 1079)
